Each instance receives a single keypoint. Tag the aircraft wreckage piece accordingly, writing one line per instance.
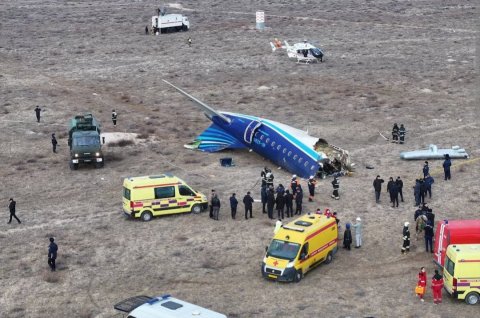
(287, 147)
(434, 153)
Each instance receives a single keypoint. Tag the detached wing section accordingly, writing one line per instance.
(215, 139)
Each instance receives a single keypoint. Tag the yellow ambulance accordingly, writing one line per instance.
(149, 196)
(461, 272)
(300, 246)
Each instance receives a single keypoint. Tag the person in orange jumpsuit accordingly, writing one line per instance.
(437, 285)
(422, 282)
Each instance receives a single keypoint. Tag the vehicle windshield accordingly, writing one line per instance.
(284, 250)
(86, 141)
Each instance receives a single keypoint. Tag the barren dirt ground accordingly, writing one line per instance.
(412, 62)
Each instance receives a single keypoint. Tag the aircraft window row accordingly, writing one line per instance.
(273, 143)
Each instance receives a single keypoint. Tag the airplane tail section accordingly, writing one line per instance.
(209, 111)
(213, 139)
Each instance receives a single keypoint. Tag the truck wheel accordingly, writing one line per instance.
(146, 216)
(73, 166)
(184, 27)
(472, 298)
(196, 209)
(329, 258)
(99, 165)
(298, 276)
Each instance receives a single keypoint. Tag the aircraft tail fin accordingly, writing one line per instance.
(213, 139)
(209, 111)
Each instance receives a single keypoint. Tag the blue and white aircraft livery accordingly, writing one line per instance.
(288, 147)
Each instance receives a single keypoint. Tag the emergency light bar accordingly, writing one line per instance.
(293, 228)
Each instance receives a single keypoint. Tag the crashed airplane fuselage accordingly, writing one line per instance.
(288, 147)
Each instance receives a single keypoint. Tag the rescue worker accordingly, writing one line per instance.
(212, 194)
(429, 236)
(280, 204)
(298, 201)
(422, 282)
(428, 181)
(423, 190)
(399, 184)
(52, 254)
(189, 42)
(280, 190)
(216, 207)
(233, 205)
(270, 202)
(269, 179)
(263, 175)
(37, 113)
(294, 185)
(389, 187)
(347, 237)
(11, 208)
(406, 238)
(311, 188)
(146, 30)
(417, 213)
(289, 203)
(336, 186)
(426, 169)
(114, 117)
(263, 193)
(401, 133)
(54, 143)
(430, 216)
(394, 195)
(248, 203)
(358, 232)
(437, 286)
(377, 186)
(395, 130)
(416, 192)
(327, 212)
(446, 167)
(337, 220)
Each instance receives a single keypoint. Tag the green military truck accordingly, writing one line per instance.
(84, 141)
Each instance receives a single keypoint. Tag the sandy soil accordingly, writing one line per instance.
(411, 62)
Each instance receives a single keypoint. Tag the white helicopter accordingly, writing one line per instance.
(304, 52)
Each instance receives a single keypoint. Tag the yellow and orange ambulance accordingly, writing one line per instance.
(149, 196)
(300, 246)
(461, 272)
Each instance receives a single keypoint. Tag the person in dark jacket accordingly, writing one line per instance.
(216, 206)
(336, 187)
(399, 184)
(446, 167)
(401, 133)
(11, 208)
(280, 189)
(263, 193)
(37, 113)
(146, 30)
(423, 190)
(377, 185)
(289, 203)
(248, 203)
(395, 130)
(298, 201)
(52, 254)
(270, 202)
(389, 187)
(54, 143)
(280, 204)
(428, 181)
(394, 194)
(311, 188)
(347, 237)
(426, 169)
(114, 117)
(429, 236)
(416, 192)
(430, 216)
(212, 193)
(406, 238)
(417, 213)
(233, 205)
(269, 179)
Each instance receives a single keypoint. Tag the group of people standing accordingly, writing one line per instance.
(436, 285)
(398, 133)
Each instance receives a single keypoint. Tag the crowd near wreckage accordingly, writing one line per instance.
(290, 148)
(303, 52)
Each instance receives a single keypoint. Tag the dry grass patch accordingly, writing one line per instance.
(50, 277)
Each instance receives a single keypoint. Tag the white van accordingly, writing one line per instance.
(163, 307)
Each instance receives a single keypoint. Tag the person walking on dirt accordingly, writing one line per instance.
(54, 143)
(446, 167)
(114, 117)
(394, 194)
(399, 184)
(289, 203)
(189, 42)
(298, 201)
(422, 282)
(248, 203)
(37, 113)
(358, 232)
(336, 187)
(233, 205)
(216, 207)
(347, 237)
(212, 194)
(395, 130)
(437, 286)
(146, 30)
(428, 236)
(11, 208)
(406, 238)
(401, 134)
(428, 181)
(426, 169)
(311, 188)
(416, 192)
(377, 186)
(52, 254)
